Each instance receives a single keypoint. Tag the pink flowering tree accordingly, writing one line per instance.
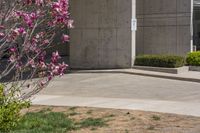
(27, 29)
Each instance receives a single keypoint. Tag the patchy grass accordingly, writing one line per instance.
(46, 121)
(92, 122)
(42, 119)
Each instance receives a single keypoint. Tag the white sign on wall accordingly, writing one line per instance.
(133, 24)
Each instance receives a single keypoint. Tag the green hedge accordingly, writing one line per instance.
(160, 61)
(193, 59)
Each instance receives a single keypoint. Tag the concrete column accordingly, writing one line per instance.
(102, 37)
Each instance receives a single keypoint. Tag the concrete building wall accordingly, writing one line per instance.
(102, 37)
(163, 26)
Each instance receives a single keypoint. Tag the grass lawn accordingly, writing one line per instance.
(43, 119)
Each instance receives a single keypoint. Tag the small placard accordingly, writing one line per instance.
(133, 24)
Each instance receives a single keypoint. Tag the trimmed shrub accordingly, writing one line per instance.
(193, 59)
(160, 61)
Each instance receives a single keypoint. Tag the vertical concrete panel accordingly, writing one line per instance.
(75, 47)
(159, 6)
(104, 38)
(107, 54)
(90, 48)
(92, 12)
(84, 48)
(183, 39)
(153, 37)
(163, 23)
(77, 8)
(108, 13)
(183, 6)
(123, 11)
(123, 47)
(107, 33)
(140, 40)
(139, 7)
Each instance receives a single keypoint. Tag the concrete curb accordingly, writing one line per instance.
(145, 73)
(162, 69)
(194, 68)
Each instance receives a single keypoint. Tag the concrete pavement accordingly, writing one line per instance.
(123, 91)
(183, 108)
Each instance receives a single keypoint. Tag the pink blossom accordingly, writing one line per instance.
(21, 30)
(28, 18)
(13, 49)
(65, 38)
(2, 34)
(39, 2)
(60, 12)
(15, 33)
(42, 56)
(28, 2)
(70, 23)
(42, 65)
(50, 77)
(29, 30)
(55, 57)
(62, 68)
(43, 82)
(2, 27)
(18, 65)
(32, 63)
(46, 41)
(12, 58)
(58, 69)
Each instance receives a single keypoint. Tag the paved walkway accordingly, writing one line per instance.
(123, 91)
(184, 108)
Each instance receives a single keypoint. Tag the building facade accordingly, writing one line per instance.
(110, 33)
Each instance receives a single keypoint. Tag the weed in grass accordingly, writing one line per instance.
(92, 122)
(110, 116)
(72, 108)
(93, 129)
(128, 113)
(45, 110)
(73, 113)
(156, 118)
(132, 118)
(151, 128)
(126, 131)
(89, 112)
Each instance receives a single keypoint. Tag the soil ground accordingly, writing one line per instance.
(128, 121)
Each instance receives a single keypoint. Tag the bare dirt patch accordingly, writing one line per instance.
(127, 121)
